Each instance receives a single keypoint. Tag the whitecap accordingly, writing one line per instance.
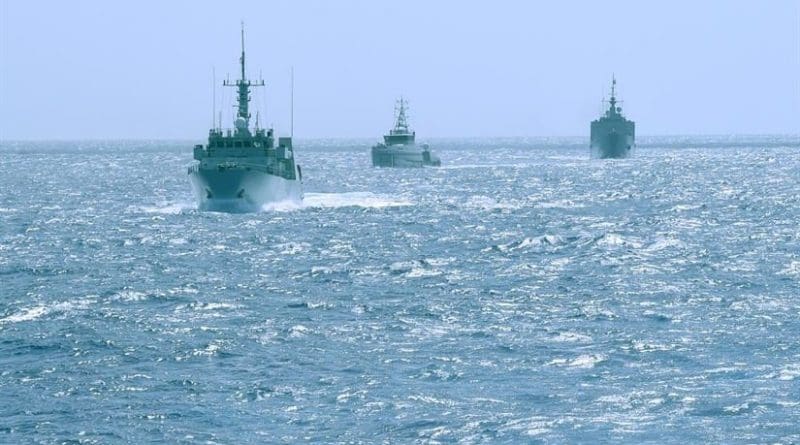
(129, 295)
(434, 433)
(349, 394)
(33, 313)
(793, 269)
(164, 208)
(558, 204)
(25, 315)
(736, 409)
(686, 207)
(431, 400)
(297, 331)
(584, 361)
(664, 243)
(645, 269)
(213, 306)
(614, 399)
(616, 240)
(722, 370)
(533, 426)
(789, 372)
(287, 205)
(413, 269)
(543, 240)
(642, 346)
(572, 337)
(419, 272)
(482, 202)
(558, 264)
(182, 290)
(211, 349)
(353, 199)
(292, 248)
(321, 270)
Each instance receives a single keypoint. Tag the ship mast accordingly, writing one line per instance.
(613, 100)
(242, 121)
(401, 124)
(291, 108)
(613, 111)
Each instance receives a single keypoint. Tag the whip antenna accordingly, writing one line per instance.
(213, 95)
(291, 108)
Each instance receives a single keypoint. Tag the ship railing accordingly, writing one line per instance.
(276, 170)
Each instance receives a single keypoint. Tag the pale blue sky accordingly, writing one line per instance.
(142, 69)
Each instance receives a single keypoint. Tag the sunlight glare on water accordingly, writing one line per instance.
(534, 295)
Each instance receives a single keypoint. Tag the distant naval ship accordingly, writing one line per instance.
(612, 136)
(240, 170)
(399, 148)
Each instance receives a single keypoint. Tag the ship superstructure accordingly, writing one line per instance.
(399, 147)
(242, 168)
(612, 135)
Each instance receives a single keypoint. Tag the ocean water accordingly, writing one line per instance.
(522, 293)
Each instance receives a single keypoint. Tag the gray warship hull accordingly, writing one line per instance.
(241, 169)
(399, 147)
(612, 143)
(403, 156)
(240, 189)
(612, 136)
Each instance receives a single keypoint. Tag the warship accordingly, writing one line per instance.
(241, 169)
(612, 136)
(399, 148)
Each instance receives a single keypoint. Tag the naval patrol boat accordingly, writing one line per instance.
(612, 136)
(241, 169)
(399, 148)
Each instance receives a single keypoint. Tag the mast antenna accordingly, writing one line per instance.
(243, 86)
(401, 119)
(213, 94)
(613, 85)
(243, 77)
(291, 108)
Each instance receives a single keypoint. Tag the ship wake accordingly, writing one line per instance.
(365, 200)
(164, 208)
(353, 199)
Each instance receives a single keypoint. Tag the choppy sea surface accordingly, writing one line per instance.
(522, 293)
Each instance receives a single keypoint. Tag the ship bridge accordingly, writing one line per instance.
(400, 134)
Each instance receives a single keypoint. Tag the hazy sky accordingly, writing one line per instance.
(143, 69)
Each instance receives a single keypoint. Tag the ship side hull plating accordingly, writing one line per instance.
(612, 139)
(241, 189)
(403, 156)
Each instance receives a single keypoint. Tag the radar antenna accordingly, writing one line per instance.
(613, 100)
(613, 85)
(291, 108)
(214, 95)
(401, 121)
(613, 109)
(243, 99)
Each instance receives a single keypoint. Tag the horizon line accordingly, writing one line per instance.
(344, 138)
